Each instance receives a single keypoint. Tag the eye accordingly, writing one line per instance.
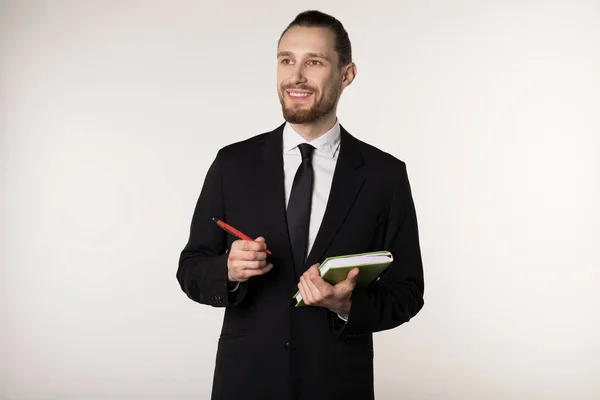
(314, 62)
(286, 61)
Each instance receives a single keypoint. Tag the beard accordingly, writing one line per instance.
(296, 114)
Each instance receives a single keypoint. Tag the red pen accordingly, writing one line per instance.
(235, 232)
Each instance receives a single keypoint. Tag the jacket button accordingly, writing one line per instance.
(287, 346)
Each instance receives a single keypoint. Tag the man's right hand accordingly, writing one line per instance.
(247, 258)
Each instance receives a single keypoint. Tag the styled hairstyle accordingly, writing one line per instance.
(317, 19)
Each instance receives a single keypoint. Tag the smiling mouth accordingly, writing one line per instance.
(298, 96)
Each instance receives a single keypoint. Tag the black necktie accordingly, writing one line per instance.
(298, 210)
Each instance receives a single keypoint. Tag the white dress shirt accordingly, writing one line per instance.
(324, 160)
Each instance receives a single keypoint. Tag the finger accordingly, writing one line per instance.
(240, 254)
(241, 244)
(314, 292)
(305, 292)
(240, 265)
(251, 255)
(259, 271)
(314, 277)
(236, 245)
(314, 270)
(261, 241)
(353, 276)
(248, 245)
(254, 245)
(319, 291)
(248, 273)
(311, 273)
(350, 282)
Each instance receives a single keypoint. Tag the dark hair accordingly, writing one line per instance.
(317, 19)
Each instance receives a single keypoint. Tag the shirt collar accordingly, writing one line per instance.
(326, 144)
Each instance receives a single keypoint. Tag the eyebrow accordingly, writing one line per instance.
(289, 54)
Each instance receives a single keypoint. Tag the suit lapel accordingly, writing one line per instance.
(345, 187)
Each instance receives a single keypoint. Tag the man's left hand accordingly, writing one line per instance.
(317, 292)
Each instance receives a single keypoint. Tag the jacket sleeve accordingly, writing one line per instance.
(398, 295)
(202, 272)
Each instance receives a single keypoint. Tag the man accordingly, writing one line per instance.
(307, 190)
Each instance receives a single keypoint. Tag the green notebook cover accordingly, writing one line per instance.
(336, 269)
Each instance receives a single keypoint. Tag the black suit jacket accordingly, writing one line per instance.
(267, 348)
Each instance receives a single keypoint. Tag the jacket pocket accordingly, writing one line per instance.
(232, 335)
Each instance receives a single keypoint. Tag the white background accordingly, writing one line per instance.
(112, 111)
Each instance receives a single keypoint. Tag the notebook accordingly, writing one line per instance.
(336, 269)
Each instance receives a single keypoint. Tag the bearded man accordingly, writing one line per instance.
(306, 190)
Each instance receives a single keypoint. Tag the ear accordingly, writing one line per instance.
(348, 74)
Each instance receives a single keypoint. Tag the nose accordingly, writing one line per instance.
(297, 75)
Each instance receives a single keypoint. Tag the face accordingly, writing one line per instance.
(309, 79)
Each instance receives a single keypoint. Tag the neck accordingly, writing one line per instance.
(313, 130)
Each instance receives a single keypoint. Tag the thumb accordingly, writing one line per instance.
(260, 239)
(352, 277)
(350, 282)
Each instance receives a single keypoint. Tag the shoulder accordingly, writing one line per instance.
(242, 147)
(248, 149)
(377, 160)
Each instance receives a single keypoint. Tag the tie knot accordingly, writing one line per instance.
(306, 150)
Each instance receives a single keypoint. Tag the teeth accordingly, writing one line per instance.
(299, 94)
